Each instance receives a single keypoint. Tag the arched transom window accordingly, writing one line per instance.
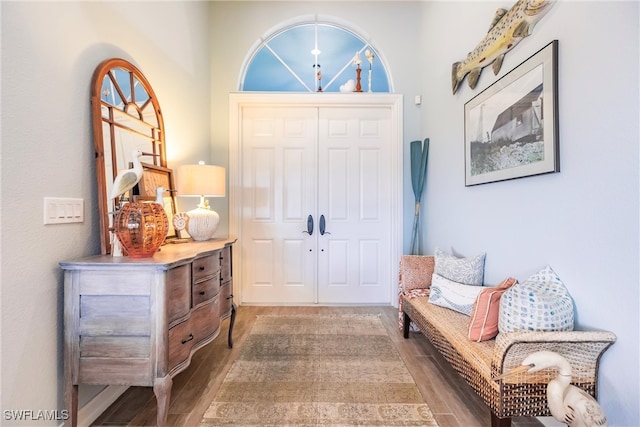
(313, 55)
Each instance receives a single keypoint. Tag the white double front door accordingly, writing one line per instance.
(317, 204)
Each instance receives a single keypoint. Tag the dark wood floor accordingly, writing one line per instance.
(451, 400)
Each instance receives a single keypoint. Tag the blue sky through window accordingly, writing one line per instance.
(285, 62)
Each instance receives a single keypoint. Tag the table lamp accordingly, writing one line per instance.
(201, 181)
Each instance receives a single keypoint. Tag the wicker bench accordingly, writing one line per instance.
(478, 362)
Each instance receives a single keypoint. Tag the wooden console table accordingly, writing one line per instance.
(138, 321)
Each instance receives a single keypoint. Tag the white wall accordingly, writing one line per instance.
(49, 53)
(582, 221)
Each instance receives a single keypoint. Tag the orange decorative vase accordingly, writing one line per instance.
(141, 228)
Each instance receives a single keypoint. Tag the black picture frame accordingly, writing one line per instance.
(511, 128)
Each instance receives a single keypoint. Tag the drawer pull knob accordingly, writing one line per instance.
(230, 296)
(201, 292)
(201, 268)
(188, 339)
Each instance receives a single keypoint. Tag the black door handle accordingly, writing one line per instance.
(309, 229)
(322, 226)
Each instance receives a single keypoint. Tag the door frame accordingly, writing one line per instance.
(240, 100)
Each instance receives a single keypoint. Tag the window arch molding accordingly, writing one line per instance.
(306, 80)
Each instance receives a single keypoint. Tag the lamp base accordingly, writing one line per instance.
(202, 223)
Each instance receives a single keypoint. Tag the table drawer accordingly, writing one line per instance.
(226, 298)
(225, 264)
(205, 290)
(178, 296)
(205, 266)
(206, 320)
(181, 340)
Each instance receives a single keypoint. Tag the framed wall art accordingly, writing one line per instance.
(511, 128)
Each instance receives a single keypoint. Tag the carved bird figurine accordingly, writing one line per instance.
(567, 403)
(127, 179)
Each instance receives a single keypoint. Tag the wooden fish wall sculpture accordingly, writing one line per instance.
(506, 31)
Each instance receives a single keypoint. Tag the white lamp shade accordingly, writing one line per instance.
(201, 180)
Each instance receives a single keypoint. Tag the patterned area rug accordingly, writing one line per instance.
(318, 371)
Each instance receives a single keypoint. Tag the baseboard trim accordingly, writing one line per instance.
(96, 406)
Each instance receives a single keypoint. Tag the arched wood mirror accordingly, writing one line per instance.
(126, 117)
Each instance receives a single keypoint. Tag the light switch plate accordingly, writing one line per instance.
(63, 210)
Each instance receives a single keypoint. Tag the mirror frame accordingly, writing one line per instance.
(107, 144)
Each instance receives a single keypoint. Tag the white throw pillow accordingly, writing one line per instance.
(541, 303)
(456, 296)
(469, 271)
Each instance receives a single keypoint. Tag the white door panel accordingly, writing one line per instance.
(278, 193)
(353, 195)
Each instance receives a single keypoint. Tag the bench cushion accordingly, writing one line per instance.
(453, 328)
(456, 296)
(483, 322)
(415, 272)
(541, 303)
(469, 271)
